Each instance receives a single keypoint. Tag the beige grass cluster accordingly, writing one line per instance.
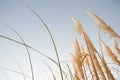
(110, 53)
(106, 28)
(86, 64)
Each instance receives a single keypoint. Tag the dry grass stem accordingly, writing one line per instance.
(91, 68)
(110, 53)
(77, 63)
(107, 70)
(98, 68)
(95, 60)
(78, 60)
(89, 43)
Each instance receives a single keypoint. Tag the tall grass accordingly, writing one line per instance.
(88, 63)
(98, 68)
(55, 47)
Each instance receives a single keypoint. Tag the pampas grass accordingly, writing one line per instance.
(78, 26)
(88, 63)
(106, 28)
(106, 68)
(96, 70)
(89, 45)
(77, 62)
(109, 52)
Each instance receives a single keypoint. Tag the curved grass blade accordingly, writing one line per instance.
(55, 48)
(100, 45)
(70, 72)
(30, 48)
(54, 78)
(28, 53)
(41, 53)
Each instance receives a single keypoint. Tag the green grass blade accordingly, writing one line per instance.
(70, 72)
(54, 78)
(30, 48)
(28, 53)
(45, 25)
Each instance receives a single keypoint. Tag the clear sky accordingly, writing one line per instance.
(57, 14)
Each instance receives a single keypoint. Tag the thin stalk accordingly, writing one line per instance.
(90, 70)
(99, 34)
(28, 53)
(41, 53)
(71, 75)
(32, 49)
(54, 78)
(117, 71)
(29, 47)
(96, 75)
(55, 48)
(85, 72)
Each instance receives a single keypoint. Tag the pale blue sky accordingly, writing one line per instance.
(57, 14)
